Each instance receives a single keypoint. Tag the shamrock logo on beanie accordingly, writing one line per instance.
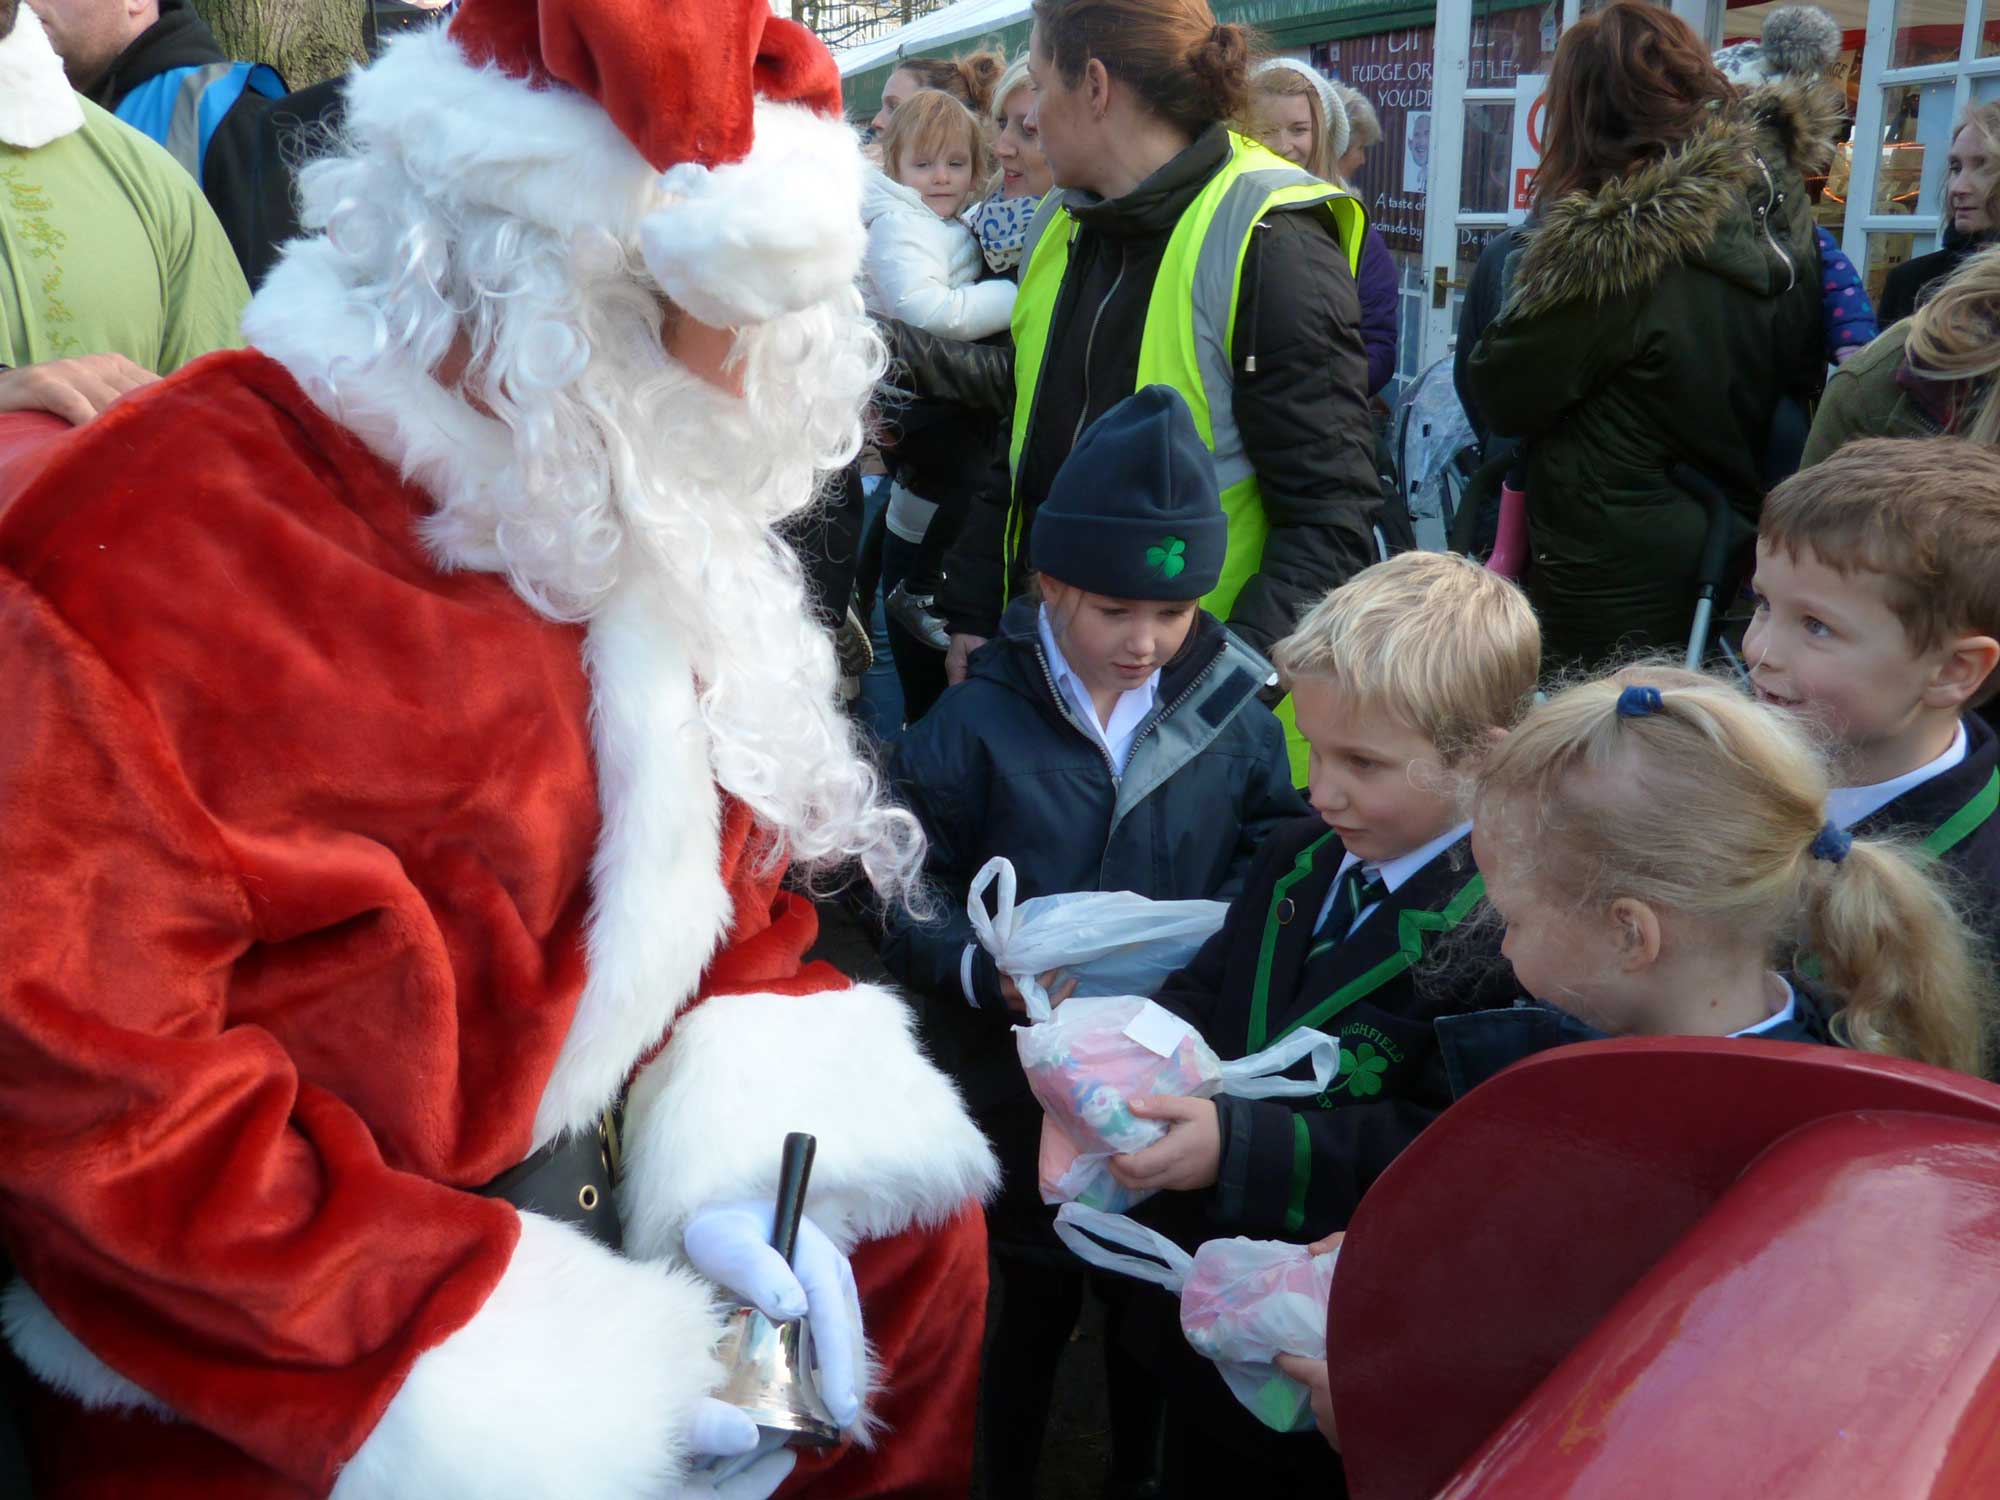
(1135, 511)
(1167, 557)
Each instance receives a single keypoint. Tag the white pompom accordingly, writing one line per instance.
(775, 233)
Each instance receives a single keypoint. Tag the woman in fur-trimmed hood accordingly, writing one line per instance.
(1665, 305)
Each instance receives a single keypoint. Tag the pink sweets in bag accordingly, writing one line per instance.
(1089, 1057)
(1243, 1302)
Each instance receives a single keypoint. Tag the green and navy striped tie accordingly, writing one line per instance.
(1360, 888)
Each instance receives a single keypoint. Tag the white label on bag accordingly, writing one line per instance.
(1158, 1031)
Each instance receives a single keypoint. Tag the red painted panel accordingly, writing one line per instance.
(1513, 1225)
(1831, 1328)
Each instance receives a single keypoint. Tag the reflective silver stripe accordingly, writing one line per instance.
(1051, 208)
(1214, 298)
(183, 141)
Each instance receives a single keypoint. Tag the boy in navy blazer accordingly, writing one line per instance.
(1356, 921)
(1878, 619)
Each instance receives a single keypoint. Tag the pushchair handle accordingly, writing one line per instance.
(1713, 563)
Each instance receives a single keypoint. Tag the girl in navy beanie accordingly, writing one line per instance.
(1111, 738)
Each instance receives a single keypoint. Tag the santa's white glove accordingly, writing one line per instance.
(731, 1244)
(732, 1459)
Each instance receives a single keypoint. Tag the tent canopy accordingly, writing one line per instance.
(967, 24)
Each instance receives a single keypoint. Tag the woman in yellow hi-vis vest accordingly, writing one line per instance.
(1175, 252)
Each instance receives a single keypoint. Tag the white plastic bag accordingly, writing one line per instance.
(1089, 1058)
(1109, 942)
(1243, 1302)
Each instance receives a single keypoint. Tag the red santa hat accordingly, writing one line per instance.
(705, 131)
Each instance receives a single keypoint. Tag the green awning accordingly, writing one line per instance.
(1284, 23)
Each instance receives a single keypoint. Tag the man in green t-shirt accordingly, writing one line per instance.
(112, 265)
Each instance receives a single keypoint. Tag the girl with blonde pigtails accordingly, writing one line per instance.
(1659, 849)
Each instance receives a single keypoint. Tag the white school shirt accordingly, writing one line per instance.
(1787, 1012)
(1393, 873)
(1848, 805)
(1133, 708)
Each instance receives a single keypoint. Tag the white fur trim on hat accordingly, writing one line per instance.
(774, 233)
(743, 243)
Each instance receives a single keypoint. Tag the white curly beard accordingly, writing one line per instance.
(574, 453)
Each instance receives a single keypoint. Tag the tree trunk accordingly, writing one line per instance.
(305, 40)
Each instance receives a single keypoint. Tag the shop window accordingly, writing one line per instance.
(1885, 253)
(1916, 139)
(1509, 40)
(1489, 144)
(1926, 31)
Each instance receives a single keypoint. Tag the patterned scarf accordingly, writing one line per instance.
(1002, 224)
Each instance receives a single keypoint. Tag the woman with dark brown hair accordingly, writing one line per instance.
(1664, 310)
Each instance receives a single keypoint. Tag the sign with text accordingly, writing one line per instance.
(1392, 70)
(1531, 106)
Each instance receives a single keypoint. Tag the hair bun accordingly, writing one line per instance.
(980, 72)
(1220, 63)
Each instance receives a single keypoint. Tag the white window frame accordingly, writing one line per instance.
(1877, 78)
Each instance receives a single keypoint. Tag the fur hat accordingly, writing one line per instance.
(1798, 42)
(703, 134)
(1331, 110)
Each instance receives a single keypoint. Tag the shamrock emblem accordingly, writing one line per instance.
(1361, 1070)
(1166, 557)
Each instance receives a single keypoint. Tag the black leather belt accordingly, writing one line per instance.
(571, 1180)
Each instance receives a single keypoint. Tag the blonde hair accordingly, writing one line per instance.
(1432, 638)
(1984, 121)
(1921, 513)
(931, 120)
(1956, 337)
(1282, 78)
(1015, 76)
(1364, 129)
(1710, 805)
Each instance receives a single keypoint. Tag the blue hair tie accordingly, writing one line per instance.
(1637, 702)
(1832, 844)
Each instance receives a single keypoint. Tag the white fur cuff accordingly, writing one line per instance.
(60, 1360)
(578, 1377)
(706, 1119)
(772, 234)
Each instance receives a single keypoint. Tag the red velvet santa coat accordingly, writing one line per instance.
(322, 906)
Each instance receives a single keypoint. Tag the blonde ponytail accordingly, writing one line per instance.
(1676, 789)
(1897, 956)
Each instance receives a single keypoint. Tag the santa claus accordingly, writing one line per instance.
(409, 722)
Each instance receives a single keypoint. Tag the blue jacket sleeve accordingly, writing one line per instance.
(1845, 310)
(939, 771)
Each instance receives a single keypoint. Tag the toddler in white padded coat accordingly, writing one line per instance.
(923, 262)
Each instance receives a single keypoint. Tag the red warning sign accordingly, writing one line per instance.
(1524, 187)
